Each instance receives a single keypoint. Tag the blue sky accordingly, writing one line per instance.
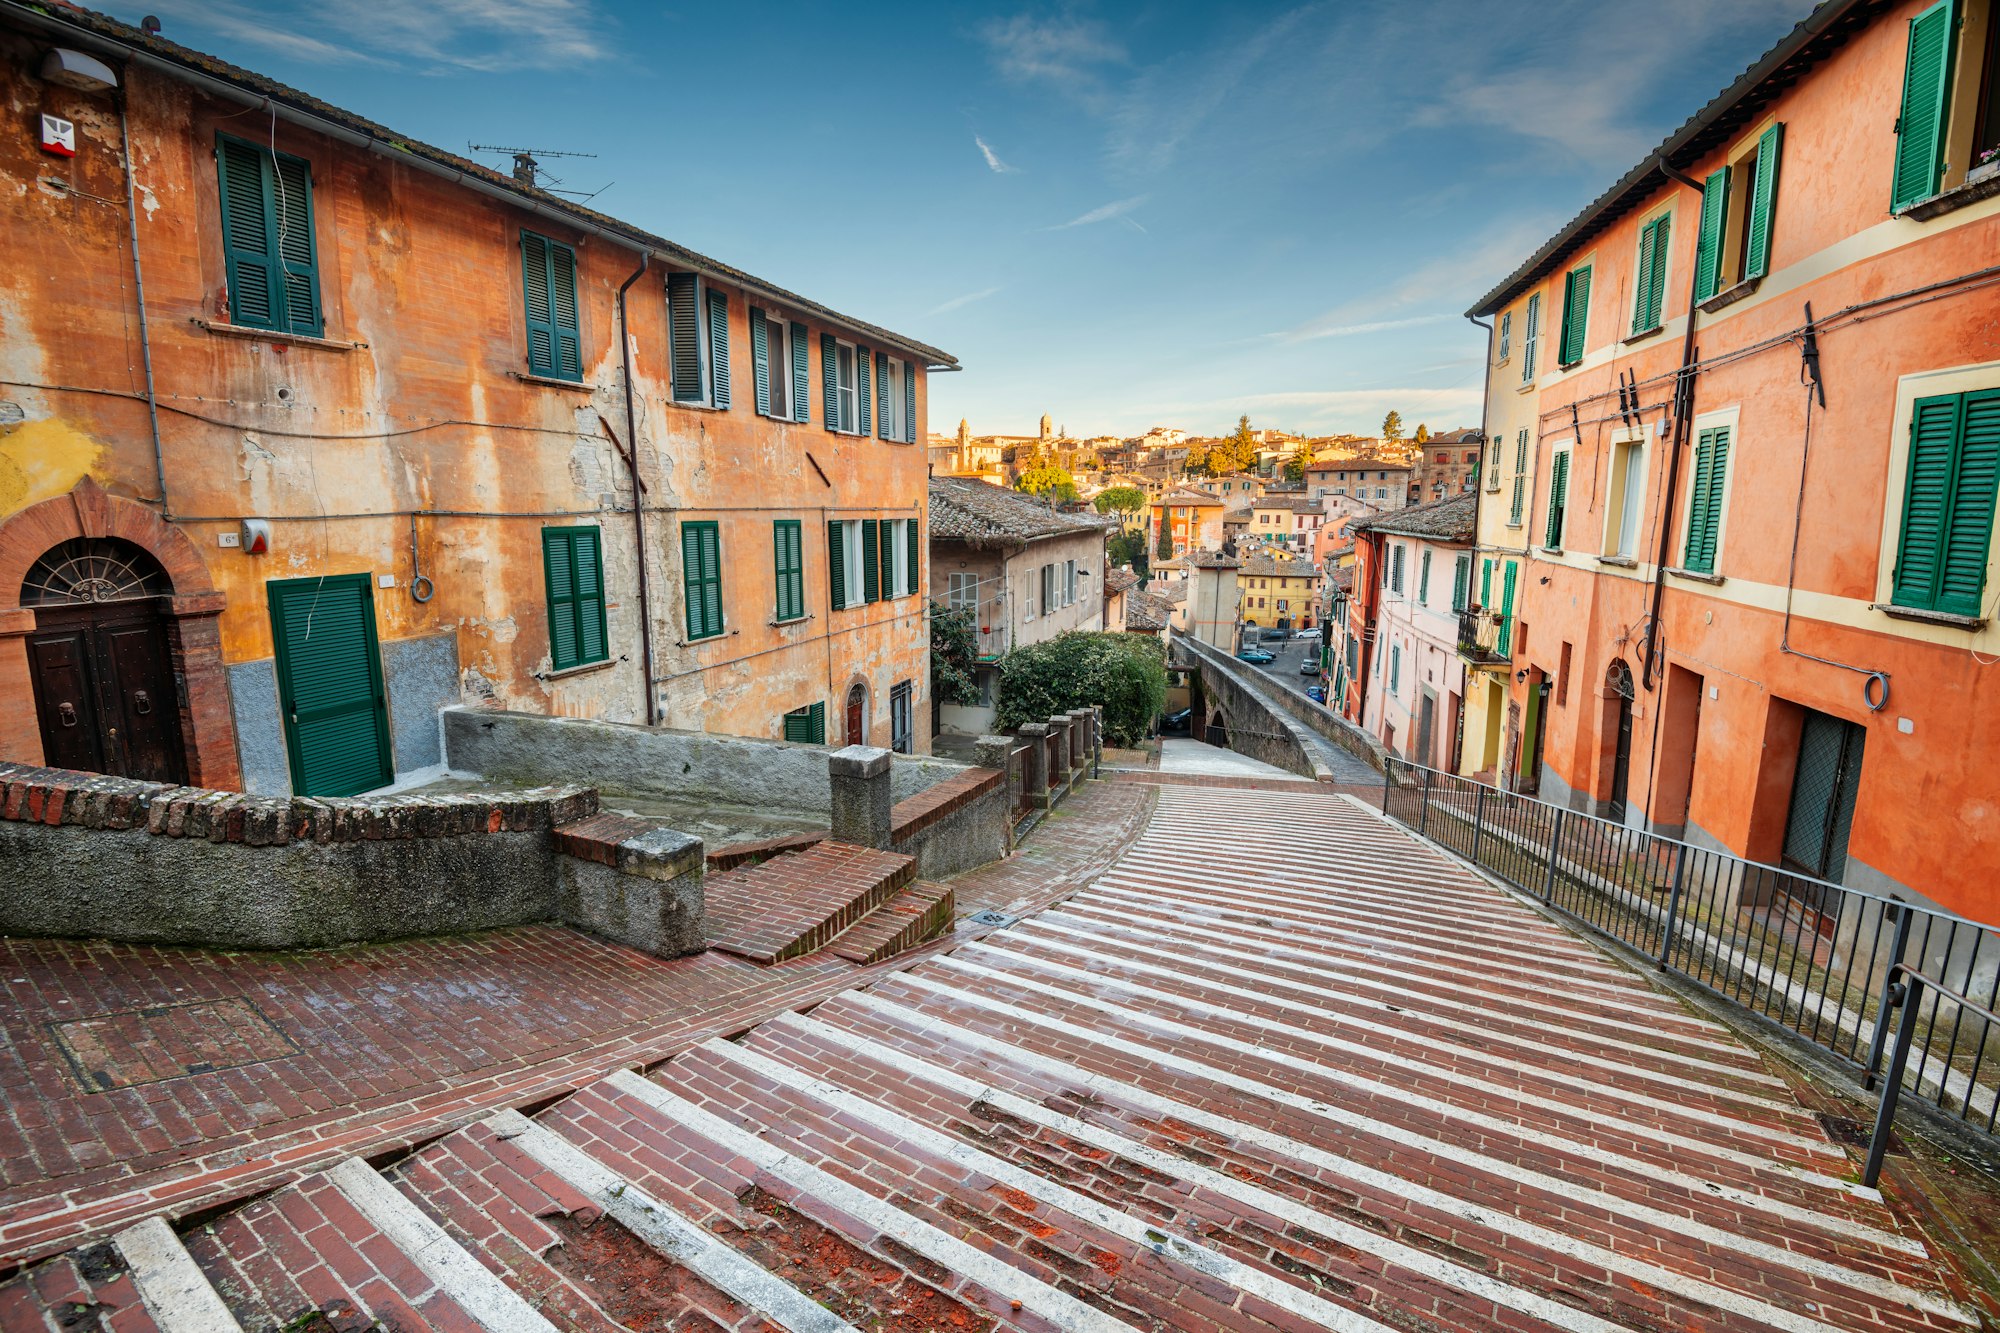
(1123, 215)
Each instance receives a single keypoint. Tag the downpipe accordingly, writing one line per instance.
(631, 452)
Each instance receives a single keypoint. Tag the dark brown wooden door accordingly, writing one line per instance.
(104, 691)
(857, 716)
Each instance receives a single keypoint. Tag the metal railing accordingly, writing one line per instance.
(1479, 635)
(1859, 975)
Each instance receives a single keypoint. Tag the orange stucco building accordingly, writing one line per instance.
(1752, 399)
(390, 431)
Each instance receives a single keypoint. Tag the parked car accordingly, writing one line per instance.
(1178, 724)
(1316, 693)
(1309, 667)
(1313, 634)
(1256, 657)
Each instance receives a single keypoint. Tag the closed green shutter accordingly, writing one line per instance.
(1651, 277)
(1461, 574)
(1395, 666)
(760, 361)
(1926, 88)
(701, 570)
(806, 726)
(718, 347)
(863, 395)
(1969, 533)
(916, 555)
(829, 359)
(836, 563)
(1558, 496)
(909, 402)
(1506, 641)
(1424, 578)
(548, 289)
(1763, 197)
(1708, 245)
(1711, 467)
(573, 570)
(788, 564)
(684, 334)
(801, 374)
(871, 569)
(888, 554)
(1531, 339)
(1576, 315)
(1486, 585)
(330, 693)
(270, 258)
(882, 394)
(1520, 498)
(1948, 503)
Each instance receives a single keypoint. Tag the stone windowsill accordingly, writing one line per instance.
(1525, 387)
(1643, 334)
(791, 620)
(216, 326)
(1945, 618)
(583, 669)
(1714, 580)
(551, 382)
(1730, 296)
(1951, 200)
(1550, 550)
(1618, 561)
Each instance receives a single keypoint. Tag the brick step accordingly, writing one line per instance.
(918, 913)
(796, 903)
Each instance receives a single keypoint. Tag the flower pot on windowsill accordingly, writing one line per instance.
(1983, 170)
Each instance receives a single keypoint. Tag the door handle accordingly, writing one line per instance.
(67, 713)
(141, 703)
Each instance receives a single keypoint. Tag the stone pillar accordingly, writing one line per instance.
(861, 796)
(994, 752)
(1062, 759)
(1035, 764)
(1082, 738)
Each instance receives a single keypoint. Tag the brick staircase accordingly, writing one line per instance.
(858, 900)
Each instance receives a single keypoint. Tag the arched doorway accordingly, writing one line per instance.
(1618, 694)
(106, 700)
(857, 715)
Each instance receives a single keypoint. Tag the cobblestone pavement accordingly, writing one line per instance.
(1278, 1067)
(308, 1057)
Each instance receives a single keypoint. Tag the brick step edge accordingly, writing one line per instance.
(817, 934)
(914, 916)
(755, 853)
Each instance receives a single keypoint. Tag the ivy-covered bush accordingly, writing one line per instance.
(954, 655)
(1126, 673)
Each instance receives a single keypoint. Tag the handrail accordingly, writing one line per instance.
(1909, 996)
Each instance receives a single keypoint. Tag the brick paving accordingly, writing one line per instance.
(1272, 1066)
(793, 904)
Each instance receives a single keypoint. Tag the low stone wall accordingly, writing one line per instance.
(1258, 727)
(84, 855)
(619, 757)
(962, 822)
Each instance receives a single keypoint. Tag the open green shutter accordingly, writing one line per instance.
(871, 569)
(1968, 534)
(915, 555)
(298, 260)
(1506, 642)
(760, 361)
(711, 567)
(559, 576)
(697, 625)
(882, 394)
(1486, 584)
(909, 402)
(801, 374)
(836, 563)
(1461, 574)
(1926, 86)
(588, 563)
(535, 294)
(684, 332)
(251, 267)
(1424, 578)
(718, 347)
(1763, 197)
(1576, 314)
(863, 395)
(829, 364)
(1531, 338)
(1558, 492)
(562, 311)
(1708, 245)
(1934, 426)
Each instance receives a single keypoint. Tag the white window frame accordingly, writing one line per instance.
(1531, 336)
(1630, 449)
(1899, 475)
(962, 590)
(851, 556)
(1069, 583)
(778, 364)
(894, 427)
(846, 392)
(899, 556)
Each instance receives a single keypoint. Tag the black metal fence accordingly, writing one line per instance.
(1831, 963)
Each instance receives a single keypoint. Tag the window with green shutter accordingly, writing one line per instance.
(806, 726)
(788, 562)
(1576, 315)
(1920, 125)
(1424, 578)
(1552, 535)
(1711, 470)
(1948, 499)
(762, 382)
(909, 402)
(684, 338)
(270, 260)
(718, 349)
(548, 286)
(915, 553)
(1505, 644)
(1763, 177)
(701, 572)
(836, 563)
(573, 574)
(1461, 576)
(1531, 338)
(1650, 275)
(801, 373)
(871, 560)
(1708, 243)
(1395, 666)
(863, 395)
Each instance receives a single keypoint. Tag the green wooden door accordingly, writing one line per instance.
(330, 690)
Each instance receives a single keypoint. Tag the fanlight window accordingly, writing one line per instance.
(94, 569)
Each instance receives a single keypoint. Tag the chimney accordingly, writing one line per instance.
(524, 169)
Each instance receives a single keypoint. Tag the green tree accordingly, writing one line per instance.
(954, 654)
(1124, 673)
(1197, 458)
(1423, 433)
(1392, 427)
(1295, 466)
(1163, 549)
(1129, 549)
(1242, 451)
(1054, 483)
(1122, 499)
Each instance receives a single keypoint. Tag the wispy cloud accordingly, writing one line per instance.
(1059, 49)
(437, 37)
(957, 302)
(1104, 213)
(1367, 326)
(993, 158)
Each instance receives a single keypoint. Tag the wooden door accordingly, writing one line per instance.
(1426, 728)
(1621, 763)
(857, 716)
(105, 695)
(330, 691)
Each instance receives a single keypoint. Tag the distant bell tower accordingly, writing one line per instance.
(1048, 426)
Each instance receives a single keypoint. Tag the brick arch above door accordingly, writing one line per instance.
(208, 730)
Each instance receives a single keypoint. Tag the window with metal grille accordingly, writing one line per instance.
(1824, 786)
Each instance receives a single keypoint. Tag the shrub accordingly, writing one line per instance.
(1125, 673)
(954, 655)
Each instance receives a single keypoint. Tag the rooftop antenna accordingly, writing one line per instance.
(527, 167)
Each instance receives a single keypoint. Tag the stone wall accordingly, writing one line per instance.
(736, 770)
(961, 822)
(1257, 726)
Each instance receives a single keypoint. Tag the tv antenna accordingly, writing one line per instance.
(527, 168)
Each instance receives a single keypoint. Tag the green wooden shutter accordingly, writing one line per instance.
(1461, 574)
(871, 569)
(718, 347)
(535, 300)
(801, 373)
(863, 395)
(806, 726)
(330, 693)
(250, 267)
(1763, 196)
(562, 310)
(684, 334)
(573, 572)
(1531, 339)
(701, 567)
(1520, 498)
(1506, 640)
(1486, 584)
(1424, 578)
(1650, 278)
(1926, 88)
(909, 402)
(789, 594)
(916, 556)
(1708, 245)
(297, 252)
(888, 559)
(1926, 500)
(1576, 314)
(760, 361)
(1558, 494)
(829, 364)
(1968, 534)
(836, 563)
(882, 394)
(1711, 463)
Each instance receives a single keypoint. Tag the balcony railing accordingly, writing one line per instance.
(1869, 980)
(1479, 634)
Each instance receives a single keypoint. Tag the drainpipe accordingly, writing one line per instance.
(139, 293)
(638, 491)
(1683, 415)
